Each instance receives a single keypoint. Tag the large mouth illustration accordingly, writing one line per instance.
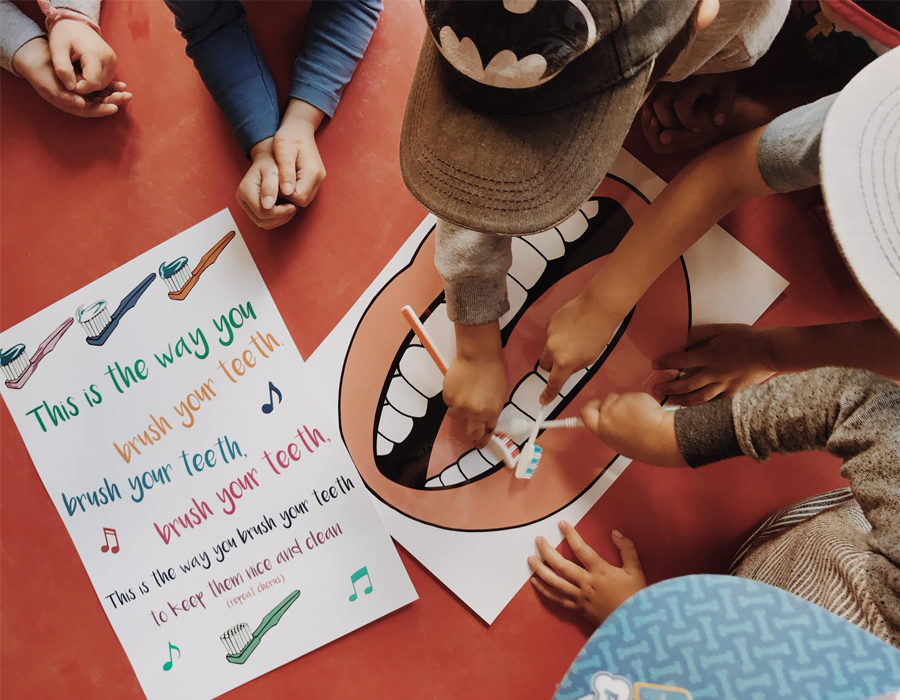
(393, 418)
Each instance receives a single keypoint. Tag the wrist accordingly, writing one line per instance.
(29, 54)
(69, 19)
(303, 114)
(261, 148)
(769, 351)
(671, 455)
(479, 343)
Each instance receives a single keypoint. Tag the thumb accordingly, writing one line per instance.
(62, 65)
(724, 102)
(628, 552)
(590, 414)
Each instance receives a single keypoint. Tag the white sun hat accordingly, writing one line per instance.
(860, 158)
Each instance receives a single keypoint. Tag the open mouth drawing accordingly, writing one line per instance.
(393, 418)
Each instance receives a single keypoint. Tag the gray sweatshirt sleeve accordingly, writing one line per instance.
(473, 266)
(853, 415)
(16, 29)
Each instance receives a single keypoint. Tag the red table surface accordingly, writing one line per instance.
(80, 198)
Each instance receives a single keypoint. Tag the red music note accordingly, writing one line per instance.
(107, 531)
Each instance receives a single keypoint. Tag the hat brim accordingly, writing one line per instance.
(860, 166)
(511, 174)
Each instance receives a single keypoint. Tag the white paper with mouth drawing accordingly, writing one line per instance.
(459, 511)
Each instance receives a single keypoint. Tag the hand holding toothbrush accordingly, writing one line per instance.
(636, 426)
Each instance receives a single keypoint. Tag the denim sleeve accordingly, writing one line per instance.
(337, 34)
(221, 46)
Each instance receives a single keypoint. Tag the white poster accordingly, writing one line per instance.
(181, 439)
(458, 510)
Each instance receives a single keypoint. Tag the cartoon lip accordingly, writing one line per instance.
(392, 413)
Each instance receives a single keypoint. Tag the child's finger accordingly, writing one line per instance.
(306, 187)
(704, 333)
(628, 552)
(286, 153)
(555, 382)
(686, 384)
(707, 393)
(682, 360)
(551, 578)
(724, 103)
(268, 186)
(100, 110)
(62, 66)
(665, 113)
(556, 597)
(586, 555)
(684, 108)
(96, 73)
(565, 568)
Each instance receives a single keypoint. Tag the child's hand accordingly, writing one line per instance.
(300, 167)
(720, 359)
(576, 336)
(595, 590)
(32, 62)
(73, 42)
(259, 189)
(688, 114)
(635, 425)
(475, 390)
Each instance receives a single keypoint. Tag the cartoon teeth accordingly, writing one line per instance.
(402, 396)
(419, 379)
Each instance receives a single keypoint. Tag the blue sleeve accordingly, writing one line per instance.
(337, 34)
(221, 46)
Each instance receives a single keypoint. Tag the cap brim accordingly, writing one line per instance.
(860, 165)
(504, 173)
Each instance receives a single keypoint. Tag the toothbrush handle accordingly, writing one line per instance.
(570, 422)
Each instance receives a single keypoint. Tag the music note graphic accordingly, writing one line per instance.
(107, 531)
(356, 577)
(168, 665)
(269, 407)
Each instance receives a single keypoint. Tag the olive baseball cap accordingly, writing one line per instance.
(518, 107)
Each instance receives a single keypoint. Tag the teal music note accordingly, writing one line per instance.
(363, 572)
(168, 665)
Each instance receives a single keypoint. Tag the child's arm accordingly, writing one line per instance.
(851, 414)
(724, 358)
(473, 267)
(701, 194)
(335, 38)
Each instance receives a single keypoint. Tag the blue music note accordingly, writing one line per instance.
(363, 572)
(270, 406)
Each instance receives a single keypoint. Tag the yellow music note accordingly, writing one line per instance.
(356, 577)
(168, 665)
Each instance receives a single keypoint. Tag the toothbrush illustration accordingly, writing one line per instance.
(180, 280)
(96, 320)
(238, 640)
(17, 368)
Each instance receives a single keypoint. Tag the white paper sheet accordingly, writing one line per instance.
(199, 478)
(475, 535)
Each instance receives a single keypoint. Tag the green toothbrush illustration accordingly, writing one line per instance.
(238, 640)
